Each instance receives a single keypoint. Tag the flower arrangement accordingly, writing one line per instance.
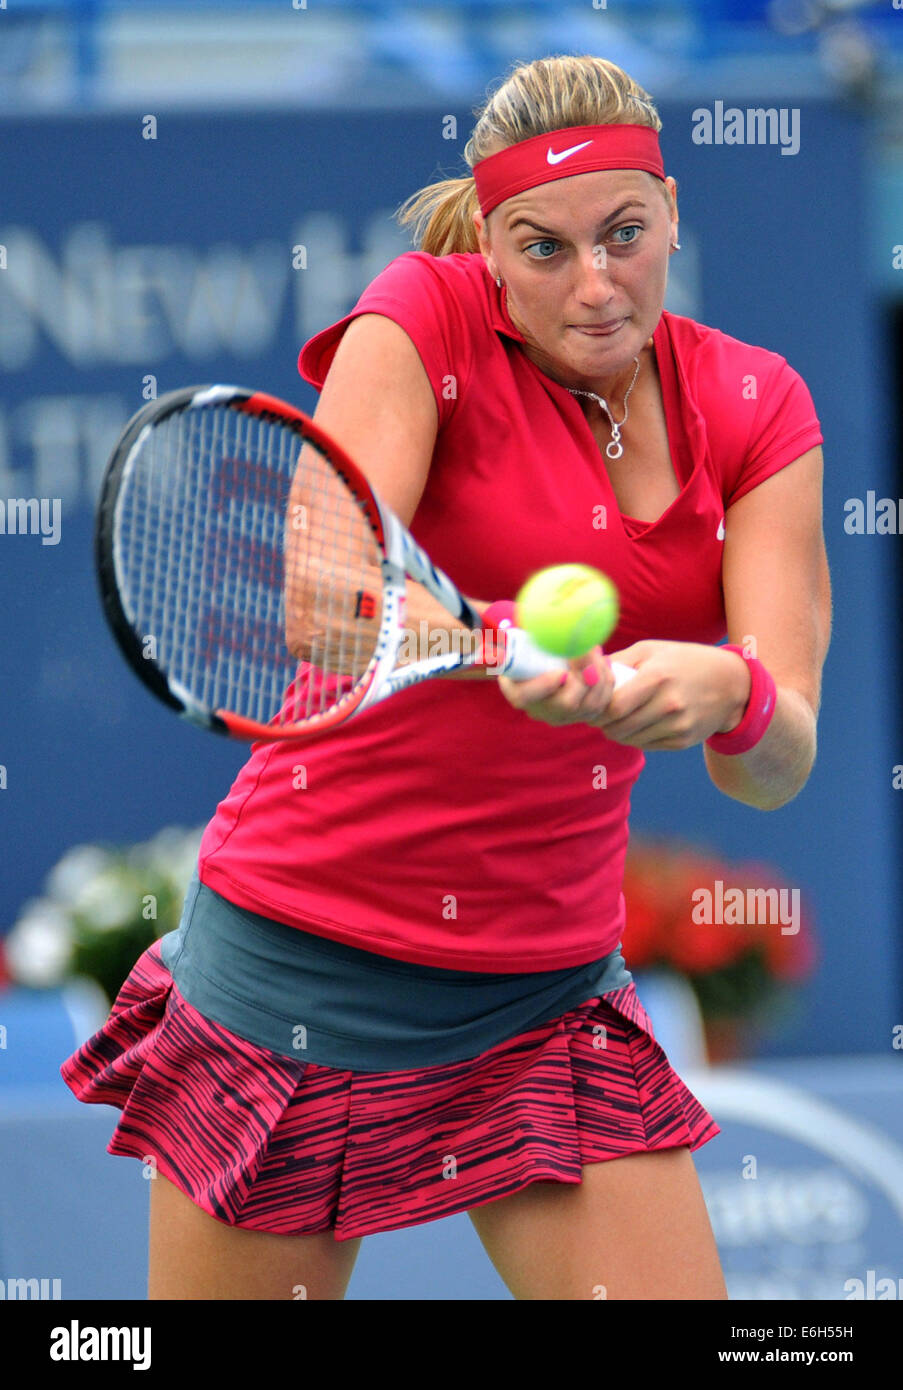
(743, 946)
(101, 908)
(741, 936)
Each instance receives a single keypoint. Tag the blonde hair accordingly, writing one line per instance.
(535, 99)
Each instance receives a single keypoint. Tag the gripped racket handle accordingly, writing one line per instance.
(523, 659)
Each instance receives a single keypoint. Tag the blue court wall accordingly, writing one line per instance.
(171, 258)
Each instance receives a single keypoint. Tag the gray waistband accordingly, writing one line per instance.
(322, 1001)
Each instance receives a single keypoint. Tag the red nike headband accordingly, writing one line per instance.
(575, 150)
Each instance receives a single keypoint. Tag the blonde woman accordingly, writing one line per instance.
(439, 919)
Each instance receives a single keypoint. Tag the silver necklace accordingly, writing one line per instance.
(615, 449)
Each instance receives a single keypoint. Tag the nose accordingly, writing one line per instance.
(594, 283)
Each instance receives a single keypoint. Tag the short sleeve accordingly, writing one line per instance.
(416, 291)
(784, 426)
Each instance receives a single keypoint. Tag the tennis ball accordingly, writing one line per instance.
(568, 609)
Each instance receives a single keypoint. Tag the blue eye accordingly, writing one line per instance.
(632, 228)
(546, 242)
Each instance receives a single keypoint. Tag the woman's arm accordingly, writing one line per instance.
(378, 404)
(777, 596)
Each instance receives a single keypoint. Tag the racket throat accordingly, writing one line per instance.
(196, 713)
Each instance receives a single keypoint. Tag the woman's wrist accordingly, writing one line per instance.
(742, 692)
(756, 714)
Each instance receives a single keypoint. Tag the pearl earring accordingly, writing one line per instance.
(498, 281)
(675, 245)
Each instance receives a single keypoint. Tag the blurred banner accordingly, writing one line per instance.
(144, 253)
(804, 1185)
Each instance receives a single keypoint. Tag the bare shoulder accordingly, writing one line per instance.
(378, 403)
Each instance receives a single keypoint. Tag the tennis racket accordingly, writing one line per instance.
(254, 581)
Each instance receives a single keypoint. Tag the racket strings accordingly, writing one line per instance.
(248, 566)
(333, 579)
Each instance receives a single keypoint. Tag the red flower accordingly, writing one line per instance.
(671, 888)
(699, 945)
(649, 902)
(642, 930)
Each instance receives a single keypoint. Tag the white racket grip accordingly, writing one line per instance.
(523, 659)
(622, 673)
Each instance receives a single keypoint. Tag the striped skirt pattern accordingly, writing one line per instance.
(272, 1143)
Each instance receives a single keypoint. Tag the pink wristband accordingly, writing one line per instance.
(502, 610)
(758, 713)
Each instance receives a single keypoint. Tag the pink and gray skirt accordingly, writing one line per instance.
(263, 1139)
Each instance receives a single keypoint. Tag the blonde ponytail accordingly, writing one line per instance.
(442, 216)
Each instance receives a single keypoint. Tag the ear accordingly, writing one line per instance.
(671, 186)
(485, 249)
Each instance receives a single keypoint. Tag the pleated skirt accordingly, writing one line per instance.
(273, 1143)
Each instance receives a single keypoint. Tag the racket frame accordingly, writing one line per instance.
(510, 651)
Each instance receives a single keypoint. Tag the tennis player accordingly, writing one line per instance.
(397, 990)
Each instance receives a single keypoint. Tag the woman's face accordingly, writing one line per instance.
(585, 262)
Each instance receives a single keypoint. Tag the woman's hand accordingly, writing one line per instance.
(578, 695)
(682, 693)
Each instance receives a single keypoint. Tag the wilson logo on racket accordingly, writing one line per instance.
(365, 605)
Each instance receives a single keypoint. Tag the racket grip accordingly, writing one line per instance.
(523, 659)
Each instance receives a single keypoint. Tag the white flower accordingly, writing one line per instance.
(39, 948)
(172, 853)
(186, 862)
(74, 872)
(112, 899)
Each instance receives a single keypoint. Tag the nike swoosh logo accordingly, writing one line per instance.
(557, 158)
(719, 534)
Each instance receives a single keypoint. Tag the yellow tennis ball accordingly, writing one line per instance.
(568, 609)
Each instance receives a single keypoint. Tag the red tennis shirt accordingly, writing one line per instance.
(445, 827)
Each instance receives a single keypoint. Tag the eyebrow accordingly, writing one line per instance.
(525, 221)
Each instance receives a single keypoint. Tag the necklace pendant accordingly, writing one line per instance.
(615, 449)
